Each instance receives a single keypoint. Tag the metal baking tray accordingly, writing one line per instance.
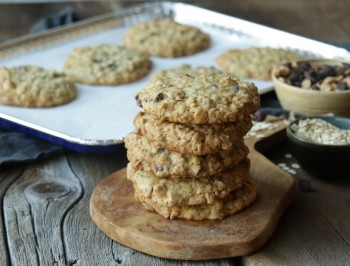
(101, 116)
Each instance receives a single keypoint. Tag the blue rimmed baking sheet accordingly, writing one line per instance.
(101, 116)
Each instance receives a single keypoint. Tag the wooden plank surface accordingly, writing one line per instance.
(8, 175)
(78, 223)
(35, 207)
(304, 237)
(315, 229)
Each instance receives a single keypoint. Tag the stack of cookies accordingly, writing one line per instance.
(187, 155)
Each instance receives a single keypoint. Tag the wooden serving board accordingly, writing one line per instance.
(115, 211)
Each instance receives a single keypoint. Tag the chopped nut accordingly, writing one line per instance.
(282, 71)
(306, 84)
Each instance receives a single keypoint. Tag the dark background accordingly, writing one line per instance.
(297, 16)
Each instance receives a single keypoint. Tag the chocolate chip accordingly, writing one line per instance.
(340, 71)
(97, 61)
(328, 70)
(235, 89)
(295, 77)
(289, 64)
(315, 87)
(342, 86)
(299, 71)
(112, 66)
(138, 101)
(161, 150)
(159, 97)
(259, 116)
(158, 168)
(304, 66)
(311, 75)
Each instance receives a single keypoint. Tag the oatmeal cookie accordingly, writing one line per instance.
(254, 62)
(187, 69)
(31, 86)
(204, 99)
(166, 38)
(189, 138)
(144, 156)
(186, 190)
(106, 65)
(217, 210)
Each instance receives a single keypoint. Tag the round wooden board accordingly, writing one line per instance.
(115, 211)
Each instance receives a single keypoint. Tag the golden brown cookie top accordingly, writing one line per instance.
(106, 64)
(199, 99)
(254, 62)
(166, 38)
(31, 86)
(187, 69)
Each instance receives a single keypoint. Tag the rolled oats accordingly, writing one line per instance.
(319, 131)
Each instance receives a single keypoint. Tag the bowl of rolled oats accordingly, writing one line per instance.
(314, 87)
(321, 144)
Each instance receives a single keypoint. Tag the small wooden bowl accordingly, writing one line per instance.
(311, 102)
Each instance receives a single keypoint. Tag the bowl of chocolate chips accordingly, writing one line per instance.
(314, 87)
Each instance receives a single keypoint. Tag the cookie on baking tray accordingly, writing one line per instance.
(187, 69)
(186, 190)
(106, 64)
(199, 100)
(144, 156)
(189, 138)
(166, 38)
(31, 86)
(254, 62)
(236, 201)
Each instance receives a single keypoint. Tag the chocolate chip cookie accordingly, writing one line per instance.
(203, 99)
(189, 138)
(144, 156)
(185, 190)
(255, 62)
(31, 86)
(217, 210)
(106, 65)
(166, 38)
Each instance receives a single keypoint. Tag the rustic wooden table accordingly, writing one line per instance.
(45, 205)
